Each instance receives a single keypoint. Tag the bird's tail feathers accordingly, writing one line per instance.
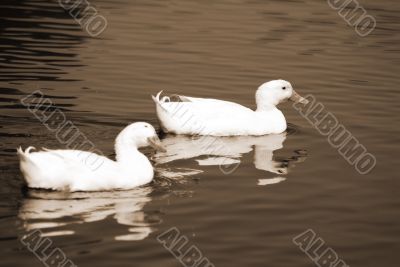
(172, 98)
(157, 98)
(23, 155)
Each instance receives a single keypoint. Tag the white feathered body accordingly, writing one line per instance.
(203, 116)
(75, 170)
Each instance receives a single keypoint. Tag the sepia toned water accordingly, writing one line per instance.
(283, 184)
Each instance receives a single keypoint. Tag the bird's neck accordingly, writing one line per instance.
(134, 163)
(127, 154)
(265, 101)
(271, 118)
(265, 107)
(126, 149)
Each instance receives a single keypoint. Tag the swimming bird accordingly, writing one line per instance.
(75, 170)
(180, 114)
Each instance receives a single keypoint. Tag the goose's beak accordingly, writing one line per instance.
(298, 99)
(156, 143)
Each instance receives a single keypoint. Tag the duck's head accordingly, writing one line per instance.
(140, 134)
(272, 93)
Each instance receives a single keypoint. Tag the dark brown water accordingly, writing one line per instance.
(222, 49)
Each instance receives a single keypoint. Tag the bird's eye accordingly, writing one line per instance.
(284, 88)
(146, 126)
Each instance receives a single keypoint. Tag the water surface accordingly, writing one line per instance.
(225, 49)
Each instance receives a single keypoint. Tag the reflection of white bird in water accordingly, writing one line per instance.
(52, 211)
(210, 150)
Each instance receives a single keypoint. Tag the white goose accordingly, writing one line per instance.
(76, 170)
(206, 116)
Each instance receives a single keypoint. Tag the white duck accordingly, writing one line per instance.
(76, 170)
(206, 116)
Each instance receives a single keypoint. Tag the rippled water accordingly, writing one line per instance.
(225, 49)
